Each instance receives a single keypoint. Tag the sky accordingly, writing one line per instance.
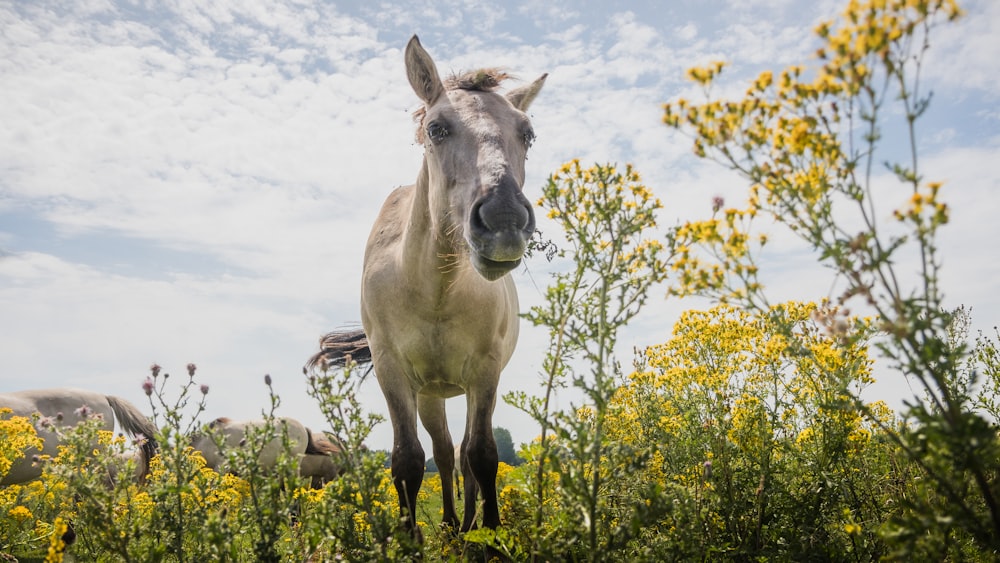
(187, 181)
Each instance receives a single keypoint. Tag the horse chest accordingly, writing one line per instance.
(440, 352)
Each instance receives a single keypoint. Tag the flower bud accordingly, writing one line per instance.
(717, 203)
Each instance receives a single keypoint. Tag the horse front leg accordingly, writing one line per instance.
(407, 475)
(480, 455)
(407, 455)
(435, 420)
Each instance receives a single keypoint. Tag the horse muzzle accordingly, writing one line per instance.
(500, 225)
(491, 269)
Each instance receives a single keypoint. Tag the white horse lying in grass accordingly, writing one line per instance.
(313, 450)
(65, 408)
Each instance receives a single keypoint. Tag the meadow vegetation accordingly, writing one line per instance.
(744, 436)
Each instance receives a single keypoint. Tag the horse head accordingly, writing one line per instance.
(475, 144)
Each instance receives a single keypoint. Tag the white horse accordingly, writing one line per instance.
(65, 408)
(439, 311)
(313, 451)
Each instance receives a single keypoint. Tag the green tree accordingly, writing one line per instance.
(505, 446)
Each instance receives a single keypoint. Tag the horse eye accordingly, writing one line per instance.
(436, 132)
(529, 138)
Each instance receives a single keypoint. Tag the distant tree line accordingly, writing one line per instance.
(505, 450)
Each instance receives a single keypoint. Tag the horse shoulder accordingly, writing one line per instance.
(388, 227)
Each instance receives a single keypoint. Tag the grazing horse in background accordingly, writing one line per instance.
(312, 450)
(65, 408)
(438, 310)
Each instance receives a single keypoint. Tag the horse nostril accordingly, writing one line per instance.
(529, 221)
(478, 220)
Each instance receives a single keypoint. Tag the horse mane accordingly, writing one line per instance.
(320, 444)
(479, 80)
(220, 420)
(199, 433)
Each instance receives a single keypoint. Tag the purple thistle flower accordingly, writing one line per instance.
(155, 368)
(204, 389)
(717, 203)
(84, 411)
(191, 369)
(147, 386)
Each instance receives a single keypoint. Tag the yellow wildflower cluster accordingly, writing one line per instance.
(751, 377)
(604, 213)
(26, 510)
(726, 268)
(793, 137)
(587, 200)
(16, 435)
(924, 210)
(57, 546)
(705, 74)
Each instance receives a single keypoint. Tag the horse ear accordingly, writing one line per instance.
(522, 97)
(422, 72)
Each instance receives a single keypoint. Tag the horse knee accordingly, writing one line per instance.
(483, 457)
(408, 461)
(407, 473)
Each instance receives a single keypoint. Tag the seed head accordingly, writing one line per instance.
(717, 203)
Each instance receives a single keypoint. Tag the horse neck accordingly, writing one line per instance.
(428, 245)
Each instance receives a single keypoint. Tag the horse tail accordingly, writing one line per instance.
(138, 426)
(337, 349)
(320, 444)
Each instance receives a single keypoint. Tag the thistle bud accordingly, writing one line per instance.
(717, 203)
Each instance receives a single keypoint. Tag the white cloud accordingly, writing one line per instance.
(965, 56)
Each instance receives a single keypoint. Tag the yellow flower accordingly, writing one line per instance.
(17, 434)
(56, 544)
(20, 513)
